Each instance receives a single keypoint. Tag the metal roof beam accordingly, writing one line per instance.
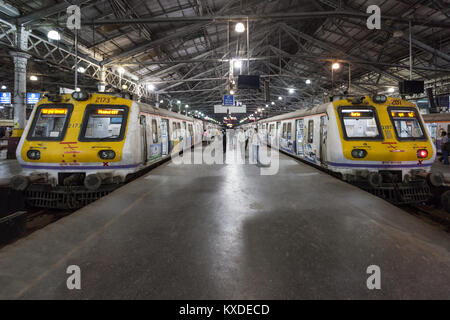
(51, 10)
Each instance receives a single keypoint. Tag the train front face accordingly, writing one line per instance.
(384, 137)
(68, 139)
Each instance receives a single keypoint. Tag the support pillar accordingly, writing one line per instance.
(20, 95)
(20, 89)
(102, 83)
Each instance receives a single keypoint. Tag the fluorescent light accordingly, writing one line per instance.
(3, 87)
(280, 98)
(391, 90)
(308, 81)
(161, 101)
(239, 27)
(120, 70)
(237, 64)
(178, 101)
(231, 91)
(291, 91)
(124, 87)
(272, 103)
(77, 89)
(186, 106)
(81, 70)
(150, 87)
(335, 66)
(33, 78)
(54, 35)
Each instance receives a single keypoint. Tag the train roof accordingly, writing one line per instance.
(436, 117)
(162, 112)
(299, 113)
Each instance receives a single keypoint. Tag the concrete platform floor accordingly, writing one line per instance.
(441, 167)
(226, 232)
(8, 169)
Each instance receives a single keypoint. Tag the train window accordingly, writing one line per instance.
(191, 131)
(406, 123)
(154, 131)
(310, 131)
(50, 122)
(289, 130)
(360, 123)
(284, 131)
(105, 123)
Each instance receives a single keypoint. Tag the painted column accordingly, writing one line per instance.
(102, 83)
(20, 91)
(20, 80)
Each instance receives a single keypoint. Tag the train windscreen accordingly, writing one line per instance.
(406, 123)
(49, 123)
(103, 123)
(360, 123)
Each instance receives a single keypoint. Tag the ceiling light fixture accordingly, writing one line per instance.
(239, 27)
(120, 70)
(54, 35)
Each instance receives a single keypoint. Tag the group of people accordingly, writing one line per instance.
(5, 132)
(239, 138)
(445, 147)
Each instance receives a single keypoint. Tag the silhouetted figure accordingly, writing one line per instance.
(445, 147)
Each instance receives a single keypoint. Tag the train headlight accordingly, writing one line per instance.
(379, 98)
(106, 154)
(34, 154)
(422, 153)
(359, 153)
(80, 96)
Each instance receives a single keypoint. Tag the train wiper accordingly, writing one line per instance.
(108, 137)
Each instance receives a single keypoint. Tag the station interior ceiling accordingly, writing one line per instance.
(170, 50)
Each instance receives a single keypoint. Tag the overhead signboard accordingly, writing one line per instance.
(5, 97)
(33, 98)
(228, 100)
(225, 109)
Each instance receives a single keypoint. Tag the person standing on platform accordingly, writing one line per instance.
(241, 140)
(247, 137)
(255, 143)
(204, 137)
(445, 147)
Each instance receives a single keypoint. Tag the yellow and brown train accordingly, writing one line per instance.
(379, 143)
(76, 148)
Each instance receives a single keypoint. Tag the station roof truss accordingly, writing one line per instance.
(183, 48)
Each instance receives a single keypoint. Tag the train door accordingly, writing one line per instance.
(278, 134)
(144, 146)
(300, 135)
(164, 137)
(323, 138)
